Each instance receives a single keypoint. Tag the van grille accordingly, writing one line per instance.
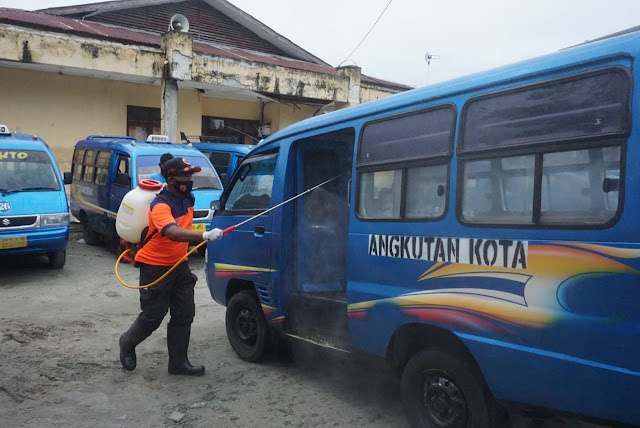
(17, 221)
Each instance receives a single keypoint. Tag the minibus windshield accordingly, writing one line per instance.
(26, 171)
(205, 179)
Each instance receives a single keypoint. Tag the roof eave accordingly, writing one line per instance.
(234, 13)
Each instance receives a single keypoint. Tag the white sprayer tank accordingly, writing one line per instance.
(133, 214)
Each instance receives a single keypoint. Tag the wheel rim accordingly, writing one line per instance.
(443, 403)
(246, 327)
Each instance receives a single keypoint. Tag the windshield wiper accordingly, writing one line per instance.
(5, 192)
(206, 187)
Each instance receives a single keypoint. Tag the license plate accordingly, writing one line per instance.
(15, 242)
(199, 227)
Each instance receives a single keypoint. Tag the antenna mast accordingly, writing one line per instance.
(428, 57)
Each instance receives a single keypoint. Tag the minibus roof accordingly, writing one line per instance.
(223, 147)
(137, 147)
(22, 141)
(625, 45)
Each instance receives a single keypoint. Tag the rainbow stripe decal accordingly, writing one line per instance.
(222, 270)
(503, 300)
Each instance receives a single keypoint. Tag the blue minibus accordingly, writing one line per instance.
(225, 157)
(105, 168)
(34, 213)
(477, 234)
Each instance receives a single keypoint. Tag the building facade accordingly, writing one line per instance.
(114, 68)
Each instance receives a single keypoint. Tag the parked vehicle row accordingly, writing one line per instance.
(34, 210)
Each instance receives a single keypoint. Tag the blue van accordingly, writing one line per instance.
(105, 168)
(225, 157)
(481, 235)
(34, 213)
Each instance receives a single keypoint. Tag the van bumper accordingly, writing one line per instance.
(39, 240)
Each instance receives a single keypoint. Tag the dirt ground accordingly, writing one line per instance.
(59, 362)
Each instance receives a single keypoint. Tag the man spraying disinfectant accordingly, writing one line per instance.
(166, 242)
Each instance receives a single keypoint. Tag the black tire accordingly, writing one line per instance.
(57, 259)
(90, 236)
(441, 389)
(247, 328)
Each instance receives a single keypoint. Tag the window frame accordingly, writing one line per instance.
(538, 150)
(100, 168)
(129, 164)
(92, 165)
(223, 211)
(404, 165)
(75, 164)
(461, 151)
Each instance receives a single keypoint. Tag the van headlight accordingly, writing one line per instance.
(54, 220)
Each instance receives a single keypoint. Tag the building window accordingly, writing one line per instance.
(143, 121)
(230, 130)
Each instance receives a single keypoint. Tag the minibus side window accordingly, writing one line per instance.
(567, 193)
(220, 162)
(89, 168)
(572, 132)
(403, 165)
(252, 188)
(78, 158)
(380, 194)
(102, 167)
(123, 177)
(499, 190)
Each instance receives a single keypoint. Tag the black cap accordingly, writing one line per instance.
(178, 166)
(166, 157)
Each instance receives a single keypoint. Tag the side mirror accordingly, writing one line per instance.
(68, 178)
(215, 205)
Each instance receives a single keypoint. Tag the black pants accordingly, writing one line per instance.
(174, 293)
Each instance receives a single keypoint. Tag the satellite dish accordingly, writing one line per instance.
(179, 22)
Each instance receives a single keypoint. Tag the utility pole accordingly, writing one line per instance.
(428, 57)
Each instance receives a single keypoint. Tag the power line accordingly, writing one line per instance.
(363, 39)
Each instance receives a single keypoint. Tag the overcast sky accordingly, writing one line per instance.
(467, 35)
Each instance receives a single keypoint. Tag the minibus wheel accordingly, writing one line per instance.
(441, 389)
(57, 259)
(247, 328)
(90, 236)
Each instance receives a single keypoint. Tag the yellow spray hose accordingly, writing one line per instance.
(136, 287)
(224, 232)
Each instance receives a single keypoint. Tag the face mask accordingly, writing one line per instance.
(184, 187)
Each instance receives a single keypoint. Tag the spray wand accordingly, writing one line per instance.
(224, 232)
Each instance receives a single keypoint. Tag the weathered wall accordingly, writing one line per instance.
(268, 78)
(230, 108)
(32, 46)
(63, 109)
(371, 93)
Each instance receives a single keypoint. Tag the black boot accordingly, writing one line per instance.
(128, 342)
(178, 343)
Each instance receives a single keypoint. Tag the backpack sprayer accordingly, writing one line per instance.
(121, 225)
